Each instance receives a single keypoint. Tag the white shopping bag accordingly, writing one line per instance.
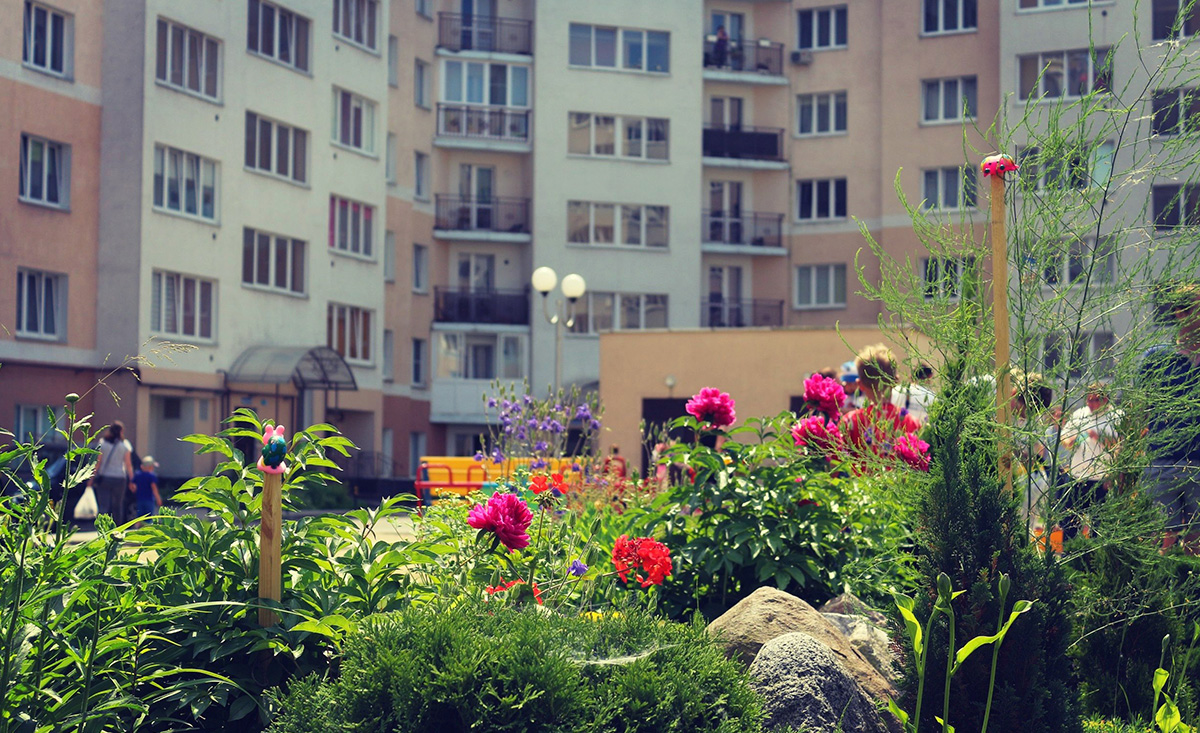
(86, 507)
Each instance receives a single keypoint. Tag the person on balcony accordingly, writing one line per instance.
(721, 48)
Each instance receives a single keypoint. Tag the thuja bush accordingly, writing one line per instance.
(503, 667)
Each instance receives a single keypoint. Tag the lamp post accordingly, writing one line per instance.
(573, 287)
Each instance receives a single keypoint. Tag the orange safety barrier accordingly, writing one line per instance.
(440, 476)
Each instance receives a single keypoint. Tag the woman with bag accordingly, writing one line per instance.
(114, 469)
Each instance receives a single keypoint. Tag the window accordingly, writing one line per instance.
(275, 148)
(1030, 4)
(348, 332)
(1092, 352)
(188, 60)
(821, 286)
(350, 226)
(278, 34)
(423, 8)
(353, 121)
(420, 268)
(386, 367)
(1165, 21)
(45, 172)
(421, 84)
(1069, 262)
(946, 100)
(478, 82)
(822, 28)
(182, 306)
(1076, 169)
(480, 356)
(821, 114)
(630, 225)
(37, 424)
(46, 42)
(628, 137)
(389, 165)
(355, 21)
(639, 50)
(1064, 73)
(421, 176)
(821, 199)
(1176, 112)
(1175, 206)
(416, 441)
(185, 183)
(419, 349)
(41, 304)
(598, 312)
(393, 61)
(943, 276)
(273, 261)
(949, 188)
(389, 257)
(947, 16)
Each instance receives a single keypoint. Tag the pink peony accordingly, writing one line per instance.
(913, 451)
(824, 395)
(505, 514)
(817, 432)
(712, 406)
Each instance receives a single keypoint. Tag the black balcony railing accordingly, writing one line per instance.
(741, 141)
(484, 123)
(750, 56)
(716, 312)
(469, 213)
(507, 307)
(746, 228)
(457, 32)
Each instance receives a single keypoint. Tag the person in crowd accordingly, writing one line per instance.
(1091, 436)
(113, 469)
(1031, 398)
(144, 487)
(614, 463)
(721, 49)
(854, 396)
(872, 428)
(916, 397)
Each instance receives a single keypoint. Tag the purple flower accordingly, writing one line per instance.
(556, 426)
(521, 434)
(576, 468)
(594, 425)
(508, 429)
(541, 446)
(491, 402)
(577, 568)
(538, 463)
(497, 456)
(507, 404)
(528, 399)
(479, 456)
(583, 412)
(533, 423)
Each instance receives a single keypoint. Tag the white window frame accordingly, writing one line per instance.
(362, 17)
(299, 26)
(420, 259)
(389, 165)
(420, 176)
(620, 40)
(827, 15)
(253, 162)
(937, 283)
(43, 429)
(66, 40)
(585, 324)
(1039, 178)
(832, 272)
(1185, 203)
(1193, 22)
(965, 185)
(360, 323)
(941, 89)
(831, 185)
(57, 305)
(351, 227)
(510, 72)
(418, 356)
(1185, 102)
(387, 357)
(423, 9)
(254, 241)
(206, 46)
(366, 121)
(62, 172)
(1067, 91)
(809, 105)
(1076, 256)
(389, 256)
(454, 355)
(393, 61)
(1094, 360)
(1029, 5)
(939, 8)
(207, 176)
(620, 148)
(159, 317)
(619, 233)
(421, 84)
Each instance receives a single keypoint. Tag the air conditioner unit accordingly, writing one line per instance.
(802, 58)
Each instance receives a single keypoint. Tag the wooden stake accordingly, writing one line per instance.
(1000, 316)
(270, 583)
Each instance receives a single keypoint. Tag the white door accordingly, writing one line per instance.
(725, 296)
(735, 28)
(475, 186)
(387, 454)
(478, 25)
(476, 272)
(725, 212)
(726, 112)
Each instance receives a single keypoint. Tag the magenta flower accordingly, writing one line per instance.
(913, 451)
(712, 406)
(507, 515)
(818, 433)
(824, 395)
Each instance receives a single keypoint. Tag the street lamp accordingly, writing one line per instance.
(573, 287)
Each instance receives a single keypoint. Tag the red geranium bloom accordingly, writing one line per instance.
(494, 589)
(507, 515)
(642, 554)
(537, 484)
(559, 483)
(712, 406)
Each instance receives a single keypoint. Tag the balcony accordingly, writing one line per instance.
(496, 219)
(497, 129)
(716, 312)
(756, 62)
(741, 146)
(486, 33)
(495, 307)
(745, 232)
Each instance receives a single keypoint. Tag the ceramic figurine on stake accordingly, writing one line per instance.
(269, 565)
(274, 451)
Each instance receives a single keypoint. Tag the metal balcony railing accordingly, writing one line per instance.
(716, 312)
(483, 123)
(457, 32)
(742, 141)
(746, 228)
(469, 213)
(505, 307)
(755, 57)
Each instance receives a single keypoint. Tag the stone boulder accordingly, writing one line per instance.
(768, 613)
(850, 604)
(803, 686)
(869, 639)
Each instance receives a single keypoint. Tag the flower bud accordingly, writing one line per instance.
(943, 586)
(72, 398)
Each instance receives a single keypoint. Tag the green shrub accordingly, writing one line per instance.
(474, 667)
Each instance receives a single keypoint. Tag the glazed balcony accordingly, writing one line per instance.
(752, 232)
(496, 307)
(498, 218)
(744, 61)
(483, 128)
(717, 312)
(743, 146)
(487, 33)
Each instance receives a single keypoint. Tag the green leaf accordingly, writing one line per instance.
(1167, 717)
(944, 724)
(894, 709)
(911, 624)
(1160, 680)
(1019, 608)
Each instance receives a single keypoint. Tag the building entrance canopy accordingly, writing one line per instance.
(315, 367)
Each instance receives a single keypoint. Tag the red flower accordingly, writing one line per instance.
(712, 406)
(824, 395)
(913, 451)
(642, 554)
(494, 589)
(559, 483)
(540, 483)
(505, 514)
(818, 433)
(537, 484)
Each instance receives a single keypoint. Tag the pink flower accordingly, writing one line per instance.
(507, 515)
(819, 433)
(824, 395)
(712, 406)
(913, 451)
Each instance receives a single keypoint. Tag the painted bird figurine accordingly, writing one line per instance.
(998, 165)
(274, 450)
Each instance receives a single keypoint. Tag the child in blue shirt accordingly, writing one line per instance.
(145, 485)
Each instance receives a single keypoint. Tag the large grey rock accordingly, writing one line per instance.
(769, 612)
(803, 686)
(869, 639)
